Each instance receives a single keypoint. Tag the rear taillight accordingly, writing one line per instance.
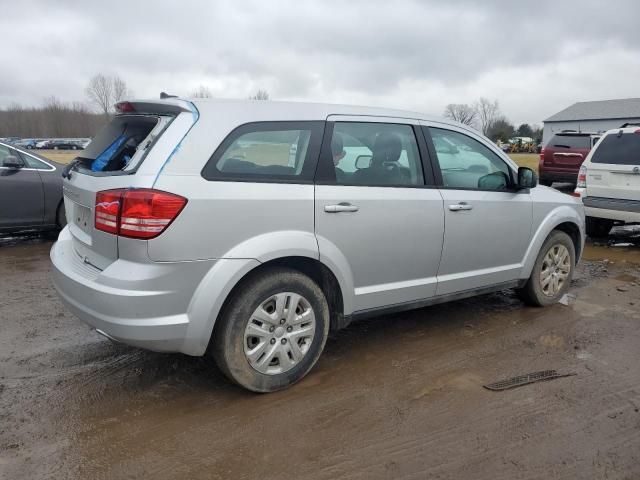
(541, 156)
(582, 177)
(108, 210)
(136, 213)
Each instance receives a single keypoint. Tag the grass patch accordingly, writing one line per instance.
(59, 156)
(526, 160)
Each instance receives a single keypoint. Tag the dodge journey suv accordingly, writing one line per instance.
(249, 230)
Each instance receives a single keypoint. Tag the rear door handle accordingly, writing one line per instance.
(340, 207)
(460, 206)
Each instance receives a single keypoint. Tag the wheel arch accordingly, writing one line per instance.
(563, 218)
(311, 267)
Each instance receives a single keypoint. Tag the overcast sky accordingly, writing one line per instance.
(535, 58)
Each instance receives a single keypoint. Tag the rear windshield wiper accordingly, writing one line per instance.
(562, 146)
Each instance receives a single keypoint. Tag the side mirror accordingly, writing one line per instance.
(12, 162)
(527, 178)
(363, 161)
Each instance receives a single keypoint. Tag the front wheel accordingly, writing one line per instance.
(552, 272)
(273, 330)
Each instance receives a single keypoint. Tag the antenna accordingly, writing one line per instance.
(164, 95)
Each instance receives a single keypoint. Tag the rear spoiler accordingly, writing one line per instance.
(171, 105)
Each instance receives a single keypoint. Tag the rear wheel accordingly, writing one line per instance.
(552, 272)
(273, 330)
(598, 227)
(546, 183)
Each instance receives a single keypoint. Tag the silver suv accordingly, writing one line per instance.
(249, 230)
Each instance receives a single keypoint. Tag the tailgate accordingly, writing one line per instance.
(614, 170)
(129, 157)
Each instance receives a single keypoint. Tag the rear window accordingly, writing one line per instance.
(267, 152)
(618, 149)
(122, 144)
(570, 141)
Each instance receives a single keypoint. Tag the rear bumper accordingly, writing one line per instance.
(144, 305)
(612, 208)
(563, 176)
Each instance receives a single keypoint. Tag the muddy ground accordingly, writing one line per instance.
(397, 397)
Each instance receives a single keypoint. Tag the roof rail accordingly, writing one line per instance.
(630, 124)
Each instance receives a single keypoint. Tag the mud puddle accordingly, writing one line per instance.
(394, 397)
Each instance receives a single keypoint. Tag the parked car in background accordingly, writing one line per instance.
(249, 230)
(30, 191)
(561, 158)
(28, 143)
(62, 145)
(609, 181)
(42, 144)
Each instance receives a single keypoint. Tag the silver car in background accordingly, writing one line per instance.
(248, 230)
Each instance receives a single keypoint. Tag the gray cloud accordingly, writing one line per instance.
(534, 58)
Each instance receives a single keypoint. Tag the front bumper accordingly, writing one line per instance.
(141, 304)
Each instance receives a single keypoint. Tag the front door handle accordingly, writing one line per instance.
(460, 206)
(340, 207)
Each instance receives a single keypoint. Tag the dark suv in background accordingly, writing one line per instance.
(561, 158)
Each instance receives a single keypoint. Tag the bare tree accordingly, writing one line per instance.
(100, 92)
(202, 92)
(461, 112)
(120, 89)
(260, 95)
(488, 112)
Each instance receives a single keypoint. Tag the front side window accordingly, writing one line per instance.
(269, 151)
(467, 163)
(618, 149)
(375, 154)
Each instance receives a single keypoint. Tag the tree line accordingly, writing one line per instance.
(485, 115)
(54, 118)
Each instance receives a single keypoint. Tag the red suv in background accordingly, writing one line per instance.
(561, 158)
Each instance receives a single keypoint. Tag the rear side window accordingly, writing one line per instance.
(375, 154)
(570, 141)
(34, 163)
(618, 149)
(267, 152)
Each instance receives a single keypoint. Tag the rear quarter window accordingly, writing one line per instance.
(618, 149)
(570, 141)
(267, 152)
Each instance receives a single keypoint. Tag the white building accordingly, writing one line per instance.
(592, 117)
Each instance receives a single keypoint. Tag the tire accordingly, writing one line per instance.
(244, 332)
(537, 294)
(61, 217)
(598, 227)
(546, 183)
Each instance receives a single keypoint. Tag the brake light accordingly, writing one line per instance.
(107, 210)
(541, 156)
(124, 107)
(136, 213)
(582, 177)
